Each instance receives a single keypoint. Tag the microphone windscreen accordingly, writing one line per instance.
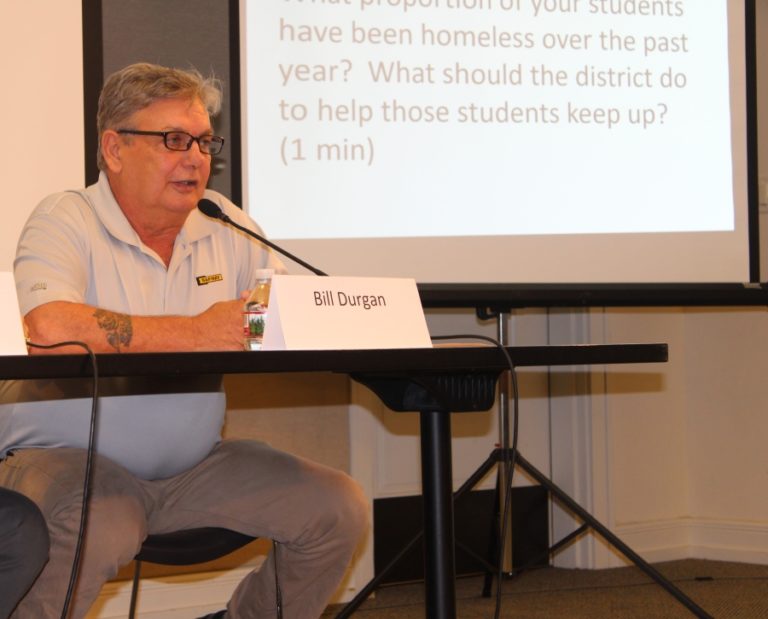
(210, 208)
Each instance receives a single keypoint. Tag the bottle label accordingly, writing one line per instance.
(254, 320)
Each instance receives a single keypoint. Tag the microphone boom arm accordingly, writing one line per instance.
(277, 248)
(211, 209)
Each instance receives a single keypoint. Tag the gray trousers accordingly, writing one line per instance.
(23, 548)
(317, 515)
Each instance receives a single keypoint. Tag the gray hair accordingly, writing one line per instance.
(139, 85)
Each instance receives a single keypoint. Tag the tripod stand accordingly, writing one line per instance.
(506, 454)
(435, 396)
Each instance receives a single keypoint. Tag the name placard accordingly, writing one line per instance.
(307, 312)
(12, 340)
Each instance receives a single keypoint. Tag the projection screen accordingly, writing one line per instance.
(523, 141)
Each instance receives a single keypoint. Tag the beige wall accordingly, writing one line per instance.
(42, 108)
(306, 414)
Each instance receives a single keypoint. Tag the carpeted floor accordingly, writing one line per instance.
(724, 590)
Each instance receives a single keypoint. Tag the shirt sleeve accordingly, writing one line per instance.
(51, 256)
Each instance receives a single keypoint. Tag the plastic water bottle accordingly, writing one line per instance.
(255, 310)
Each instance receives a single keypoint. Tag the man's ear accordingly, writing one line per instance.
(111, 147)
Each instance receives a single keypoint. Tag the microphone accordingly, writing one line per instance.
(211, 209)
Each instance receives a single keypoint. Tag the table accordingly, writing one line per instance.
(433, 382)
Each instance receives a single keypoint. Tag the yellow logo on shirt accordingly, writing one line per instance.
(202, 280)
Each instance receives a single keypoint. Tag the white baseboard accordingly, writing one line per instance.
(689, 538)
(183, 596)
(746, 542)
(173, 597)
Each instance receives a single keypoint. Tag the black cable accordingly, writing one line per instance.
(509, 454)
(278, 593)
(88, 467)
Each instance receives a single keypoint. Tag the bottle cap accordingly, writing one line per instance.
(264, 273)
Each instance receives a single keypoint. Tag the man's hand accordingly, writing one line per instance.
(220, 327)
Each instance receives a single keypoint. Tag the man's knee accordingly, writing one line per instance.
(342, 502)
(116, 527)
(357, 506)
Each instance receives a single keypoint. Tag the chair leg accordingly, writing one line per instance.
(135, 590)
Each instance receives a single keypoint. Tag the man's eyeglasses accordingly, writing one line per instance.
(181, 140)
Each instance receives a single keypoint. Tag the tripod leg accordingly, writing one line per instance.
(494, 541)
(362, 595)
(614, 541)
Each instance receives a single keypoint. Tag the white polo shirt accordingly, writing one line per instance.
(78, 246)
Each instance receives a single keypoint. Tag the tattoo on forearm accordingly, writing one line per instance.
(118, 327)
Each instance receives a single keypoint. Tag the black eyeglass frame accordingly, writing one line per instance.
(212, 146)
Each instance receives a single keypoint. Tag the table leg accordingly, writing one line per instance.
(437, 490)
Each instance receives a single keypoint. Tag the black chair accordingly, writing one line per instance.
(186, 547)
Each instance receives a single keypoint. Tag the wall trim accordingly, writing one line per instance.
(730, 541)
(689, 538)
(186, 595)
(170, 597)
